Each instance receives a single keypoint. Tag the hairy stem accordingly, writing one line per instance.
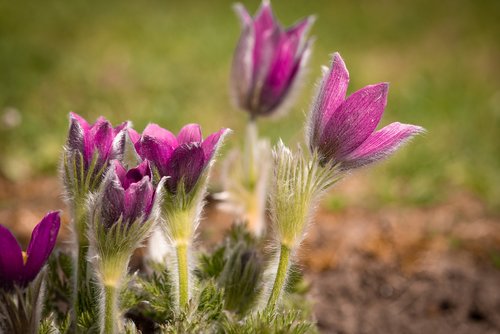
(280, 279)
(182, 264)
(111, 317)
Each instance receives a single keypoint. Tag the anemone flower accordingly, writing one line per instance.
(20, 268)
(342, 129)
(268, 61)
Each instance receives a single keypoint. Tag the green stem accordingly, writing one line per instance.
(110, 321)
(280, 279)
(182, 267)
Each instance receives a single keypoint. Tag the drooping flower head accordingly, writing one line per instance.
(183, 158)
(342, 129)
(20, 268)
(128, 195)
(268, 60)
(100, 138)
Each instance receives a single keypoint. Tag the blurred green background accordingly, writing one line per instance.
(168, 62)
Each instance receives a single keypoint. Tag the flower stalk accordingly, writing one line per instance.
(280, 279)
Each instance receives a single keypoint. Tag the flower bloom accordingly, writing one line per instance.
(128, 195)
(99, 138)
(20, 268)
(183, 158)
(342, 129)
(268, 60)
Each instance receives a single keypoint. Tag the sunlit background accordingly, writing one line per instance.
(168, 62)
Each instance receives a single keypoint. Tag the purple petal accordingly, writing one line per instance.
(331, 95)
(138, 199)
(300, 29)
(43, 240)
(11, 259)
(101, 138)
(162, 135)
(210, 144)
(121, 172)
(77, 132)
(243, 15)
(156, 151)
(185, 165)
(80, 120)
(381, 144)
(112, 200)
(352, 122)
(136, 174)
(190, 133)
(242, 68)
(133, 135)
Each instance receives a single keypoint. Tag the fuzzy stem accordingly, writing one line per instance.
(280, 279)
(182, 264)
(250, 146)
(110, 320)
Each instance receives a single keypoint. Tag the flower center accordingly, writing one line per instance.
(25, 257)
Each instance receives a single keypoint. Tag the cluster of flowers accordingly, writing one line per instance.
(121, 185)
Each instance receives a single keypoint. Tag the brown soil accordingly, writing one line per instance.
(393, 270)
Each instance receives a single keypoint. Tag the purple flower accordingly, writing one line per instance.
(127, 194)
(100, 138)
(182, 158)
(342, 129)
(268, 60)
(20, 268)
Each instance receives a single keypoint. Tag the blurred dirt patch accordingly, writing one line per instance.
(392, 270)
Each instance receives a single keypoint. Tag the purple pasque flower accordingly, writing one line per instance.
(20, 268)
(183, 158)
(342, 129)
(127, 194)
(268, 60)
(101, 138)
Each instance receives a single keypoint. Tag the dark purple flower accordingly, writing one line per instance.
(342, 129)
(99, 138)
(127, 194)
(183, 157)
(268, 60)
(20, 268)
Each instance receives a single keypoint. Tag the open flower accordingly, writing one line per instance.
(268, 60)
(98, 138)
(20, 268)
(128, 195)
(342, 129)
(183, 158)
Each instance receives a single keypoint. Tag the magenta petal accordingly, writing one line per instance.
(112, 201)
(11, 259)
(300, 29)
(185, 165)
(381, 144)
(210, 144)
(137, 200)
(43, 240)
(120, 171)
(80, 120)
(189, 133)
(101, 138)
(355, 120)
(162, 135)
(264, 19)
(133, 135)
(155, 151)
(77, 132)
(137, 174)
(243, 15)
(332, 92)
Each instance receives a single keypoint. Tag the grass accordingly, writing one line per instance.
(168, 62)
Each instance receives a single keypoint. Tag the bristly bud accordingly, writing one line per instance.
(342, 130)
(268, 62)
(86, 156)
(122, 215)
(296, 187)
